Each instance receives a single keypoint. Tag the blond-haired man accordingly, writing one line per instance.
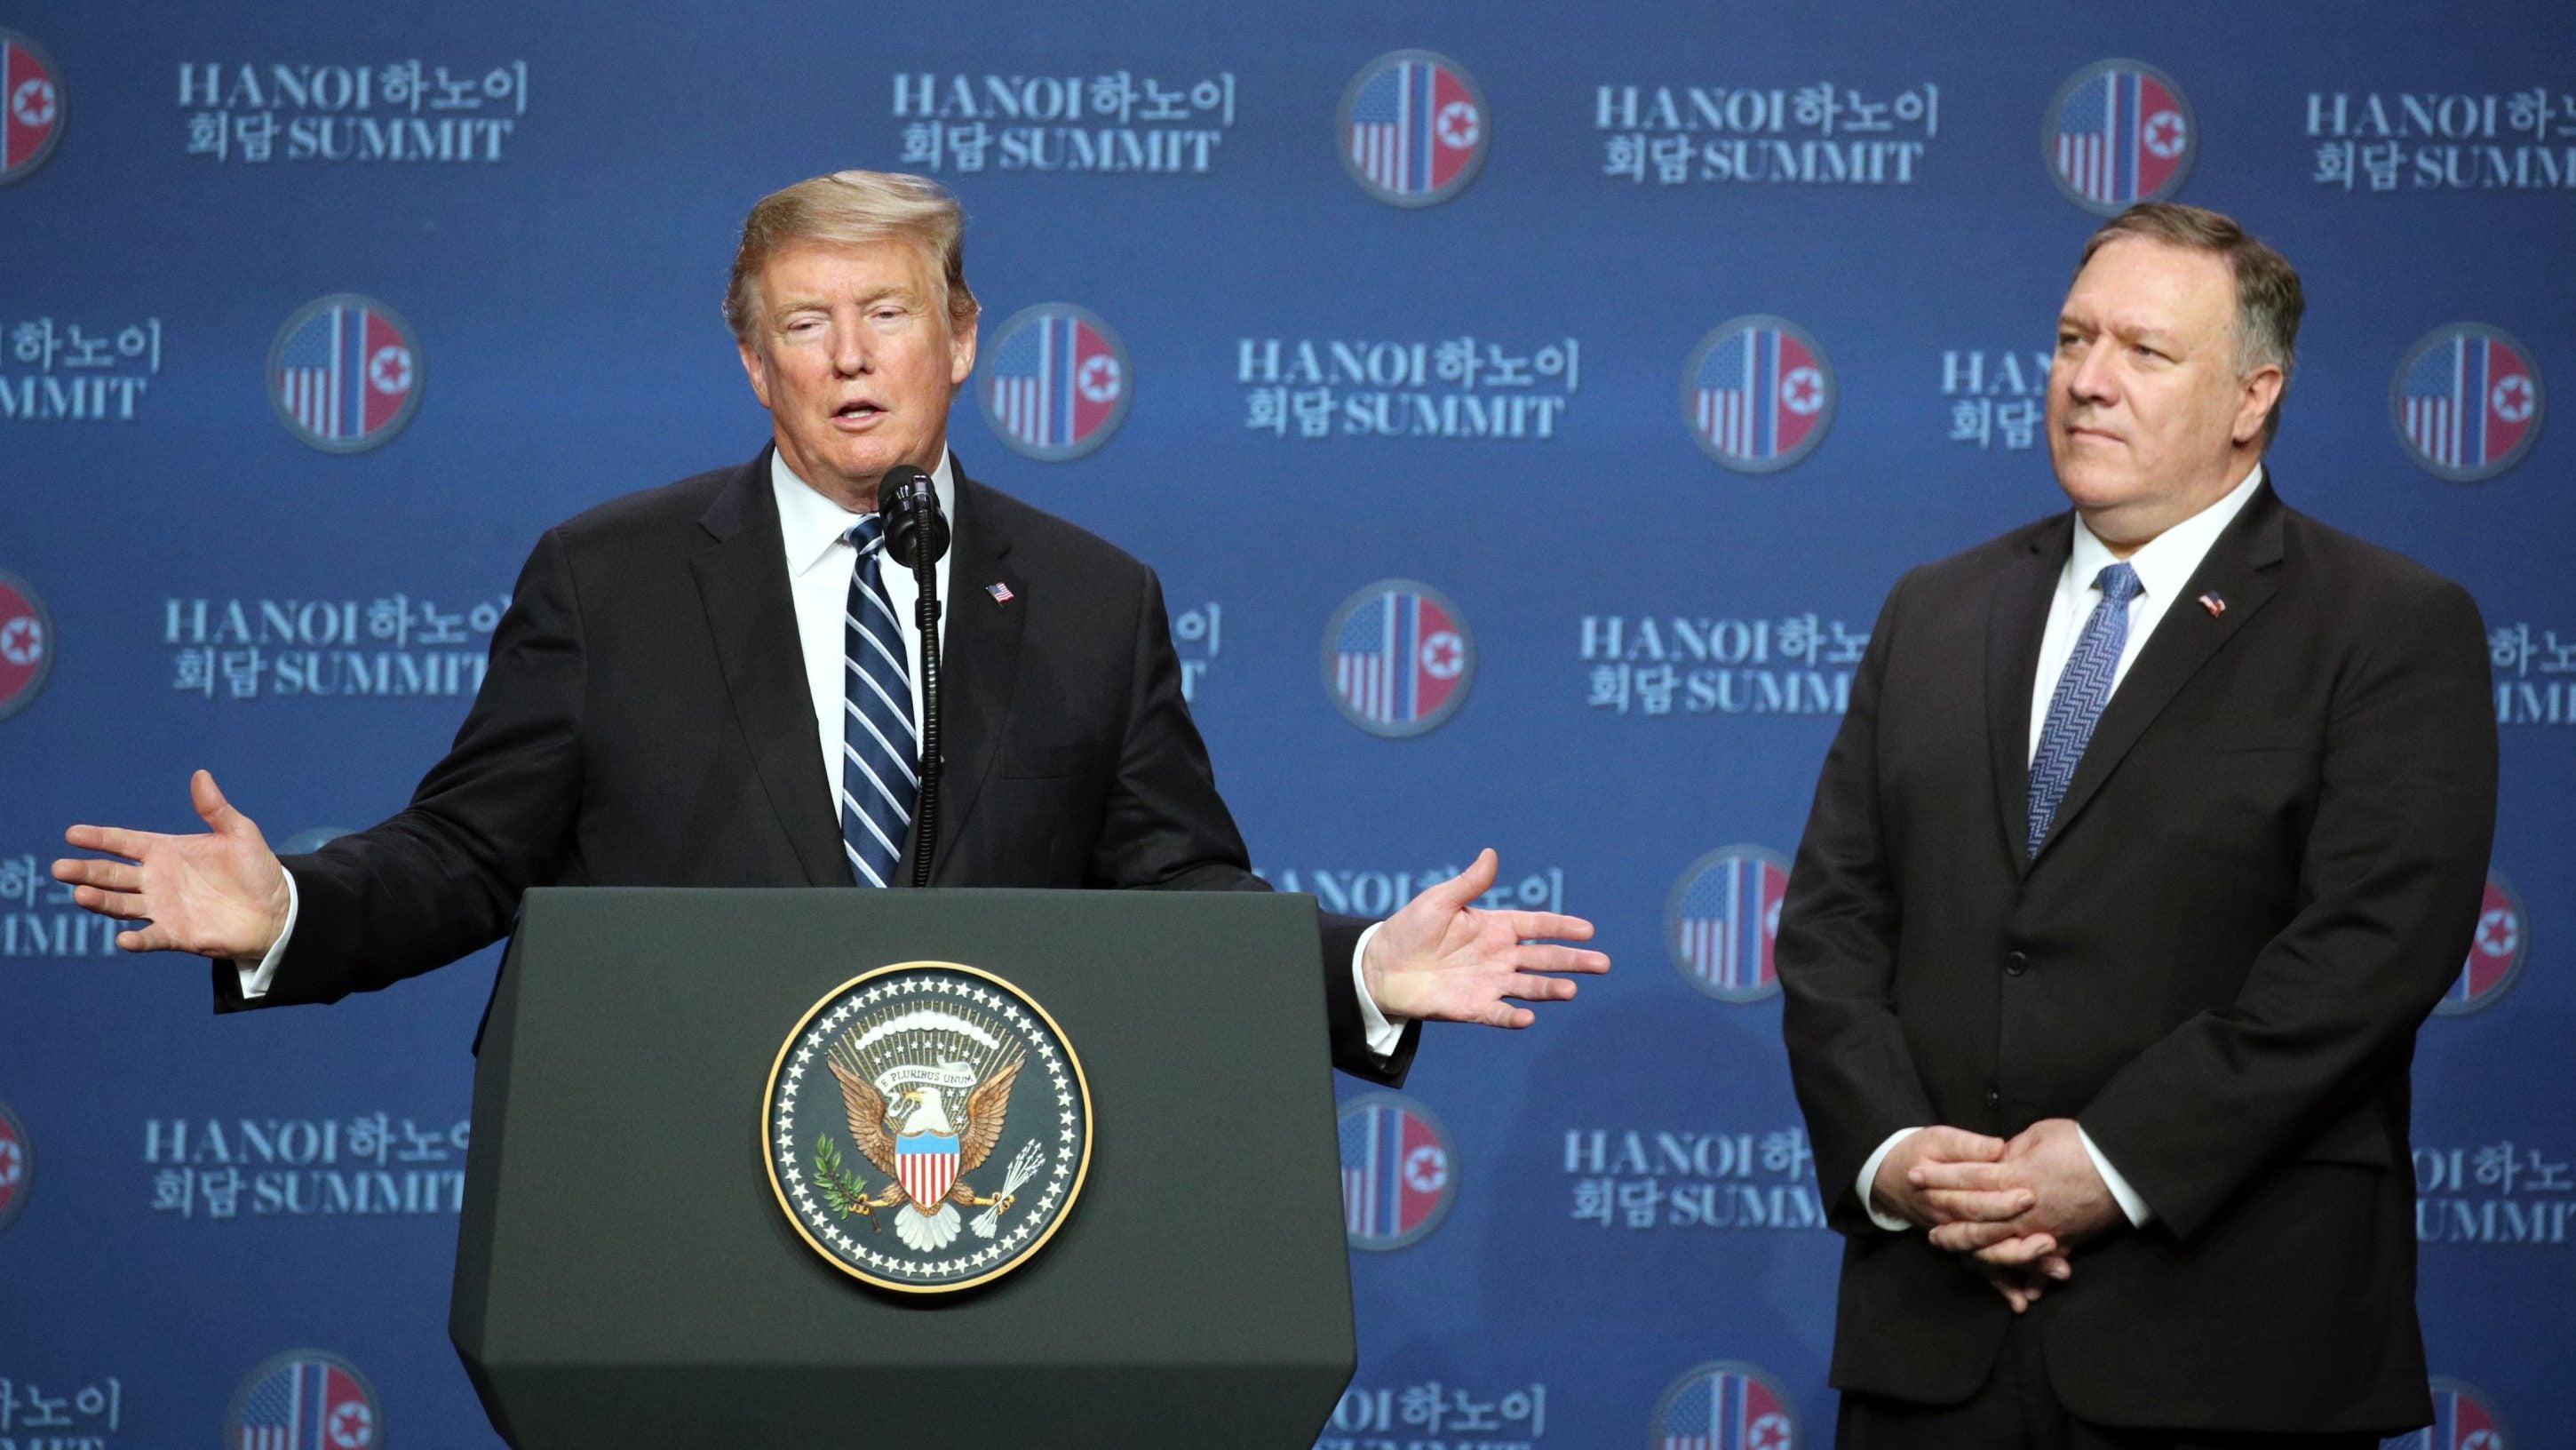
(706, 685)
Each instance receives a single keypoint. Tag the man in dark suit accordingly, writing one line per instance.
(2152, 834)
(712, 684)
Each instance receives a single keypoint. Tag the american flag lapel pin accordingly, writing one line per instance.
(1001, 592)
(2215, 605)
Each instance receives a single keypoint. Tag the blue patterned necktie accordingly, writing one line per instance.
(880, 747)
(2081, 693)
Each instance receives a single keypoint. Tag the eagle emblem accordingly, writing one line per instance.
(891, 1108)
(899, 1119)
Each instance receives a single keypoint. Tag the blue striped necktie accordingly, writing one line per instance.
(880, 747)
(2081, 692)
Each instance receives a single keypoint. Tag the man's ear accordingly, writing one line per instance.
(961, 361)
(755, 368)
(2262, 390)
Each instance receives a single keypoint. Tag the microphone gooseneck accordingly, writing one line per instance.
(916, 535)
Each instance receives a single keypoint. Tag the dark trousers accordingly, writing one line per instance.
(2018, 1410)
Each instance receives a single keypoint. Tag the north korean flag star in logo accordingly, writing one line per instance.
(2164, 134)
(1444, 655)
(1803, 391)
(33, 102)
(2514, 398)
(1426, 1169)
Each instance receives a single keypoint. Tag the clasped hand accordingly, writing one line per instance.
(2016, 1209)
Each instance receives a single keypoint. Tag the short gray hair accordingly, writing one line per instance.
(2269, 300)
(854, 208)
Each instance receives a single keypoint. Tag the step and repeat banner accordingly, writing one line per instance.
(1527, 408)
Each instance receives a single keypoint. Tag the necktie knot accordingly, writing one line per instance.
(2118, 583)
(868, 534)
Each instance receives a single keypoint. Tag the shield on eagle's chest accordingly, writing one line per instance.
(927, 1165)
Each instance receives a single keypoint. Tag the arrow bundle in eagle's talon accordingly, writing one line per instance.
(1024, 1166)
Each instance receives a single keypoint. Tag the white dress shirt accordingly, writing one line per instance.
(2164, 564)
(815, 532)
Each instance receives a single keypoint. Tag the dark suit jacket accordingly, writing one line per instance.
(2263, 875)
(646, 722)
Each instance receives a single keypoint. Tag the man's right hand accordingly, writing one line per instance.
(221, 894)
(1894, 1192)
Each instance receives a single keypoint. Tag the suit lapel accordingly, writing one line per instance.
(2017, 617)
(2238, 570)
(742, 581)
(979, 660)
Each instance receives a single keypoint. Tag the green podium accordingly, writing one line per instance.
(626, 1275)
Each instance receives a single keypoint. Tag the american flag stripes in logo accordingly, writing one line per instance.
(2467, 402)
(1414, 128)
(306, 1400)
(1397, 658)
(1757, 394)
(344, 373)
(1057, 385)
(2119, 133)
(1724, 919)
(1398, 1171)
(1725, 1407)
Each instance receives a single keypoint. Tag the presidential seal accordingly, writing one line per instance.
(892, 1137)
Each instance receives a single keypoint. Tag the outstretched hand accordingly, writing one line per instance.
(221, 894)
(1443, 959)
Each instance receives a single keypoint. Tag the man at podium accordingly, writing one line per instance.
(713, 683)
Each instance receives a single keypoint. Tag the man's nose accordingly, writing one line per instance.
(849, 351)
(2091, 377)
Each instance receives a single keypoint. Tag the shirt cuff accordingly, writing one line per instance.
(1385, 1034)
(256, 977)
(2130, 1203)
(1869, 1175)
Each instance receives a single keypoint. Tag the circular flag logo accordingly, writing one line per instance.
(1399, 1172)
(1413, 128)
(891, 1142)
(345, 373)
(2466, 402)
(2119, 133)
(2461, 1421)
(306, 1399)
(2496, 952)
(1758, 394)
(17, 1166)
(1057, 384)
(1398, 658)
(1721, 921)
(1726, 1406)
(26, 644)
(33, 92)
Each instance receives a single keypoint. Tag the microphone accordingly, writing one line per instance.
(916, 532)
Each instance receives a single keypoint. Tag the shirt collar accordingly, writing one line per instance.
(2164, 563)
(813, 524)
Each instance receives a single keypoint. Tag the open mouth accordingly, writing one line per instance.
(857, 409)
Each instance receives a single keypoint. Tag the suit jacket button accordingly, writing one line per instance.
(2016, 963)
(1994, 1098)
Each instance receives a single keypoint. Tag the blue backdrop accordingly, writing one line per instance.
(1527, 407)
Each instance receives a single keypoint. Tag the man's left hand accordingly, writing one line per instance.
(2073, 1203)
(1442, 959)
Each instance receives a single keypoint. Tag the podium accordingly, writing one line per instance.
(627, 1276)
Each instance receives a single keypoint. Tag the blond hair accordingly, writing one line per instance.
(854, 208)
